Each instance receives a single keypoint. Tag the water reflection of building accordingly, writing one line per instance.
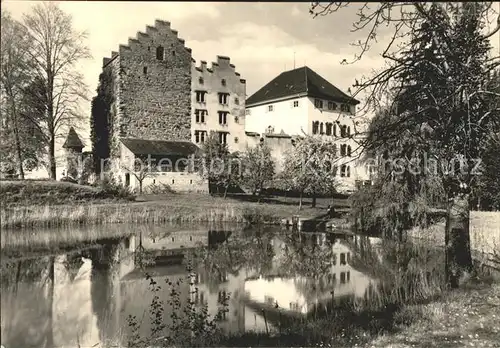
(301, 294)
(90, 294)
(62, 300)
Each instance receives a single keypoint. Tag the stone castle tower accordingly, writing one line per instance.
(151, 86)
(73, 147)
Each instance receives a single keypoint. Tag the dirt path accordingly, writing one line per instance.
(464, 319)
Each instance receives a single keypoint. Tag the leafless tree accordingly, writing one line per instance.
(55, 49)
(140, 171)
(14, 78)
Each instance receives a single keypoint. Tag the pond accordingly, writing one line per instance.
(252, 279)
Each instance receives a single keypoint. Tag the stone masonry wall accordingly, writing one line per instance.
(154, 95)
(112, 65)
(211, 80)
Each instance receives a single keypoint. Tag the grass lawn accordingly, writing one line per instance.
(48, 192)
(469, 317)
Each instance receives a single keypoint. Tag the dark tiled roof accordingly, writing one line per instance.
(73, 140)
(159, 147)
(302, 80)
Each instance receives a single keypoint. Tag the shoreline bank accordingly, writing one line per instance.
(180, 209)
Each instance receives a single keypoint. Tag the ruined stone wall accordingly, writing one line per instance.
(221, 77)
(153, 98)
(279, 145)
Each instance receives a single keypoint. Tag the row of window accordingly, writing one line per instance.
(319, 104)
(201, 116)
(201, 81)
(201, 136)
(345, 277)
(345, 172)
(330, 128)
(223, 98)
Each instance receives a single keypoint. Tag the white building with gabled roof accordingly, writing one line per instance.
(300, 102)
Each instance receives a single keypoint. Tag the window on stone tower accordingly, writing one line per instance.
(160, 53)
(200, 96)
(200, 115)
(223, 117)
(236, 101)
(199, 136)
(223, 82)
(145, 70)
(201, 81)
(223, 98)
(349, 150)
(222, 137)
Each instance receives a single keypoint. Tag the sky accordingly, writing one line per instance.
(259, 38)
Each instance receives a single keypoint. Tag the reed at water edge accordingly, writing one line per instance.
(90, 214)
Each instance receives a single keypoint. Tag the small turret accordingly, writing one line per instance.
(73, 146)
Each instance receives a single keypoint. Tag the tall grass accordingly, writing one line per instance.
(103, 214)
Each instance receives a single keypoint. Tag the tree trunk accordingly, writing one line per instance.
(313, 204)
(19, 153)
(457, 240)
(140, 187)
(18, 150)
(225, 191)
(300, 200)
(52, 158)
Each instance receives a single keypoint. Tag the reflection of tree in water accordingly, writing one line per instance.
(408, 271)
(28, 271)
(233, 255)
(302, 256)
(27, 297)
(104, 275)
